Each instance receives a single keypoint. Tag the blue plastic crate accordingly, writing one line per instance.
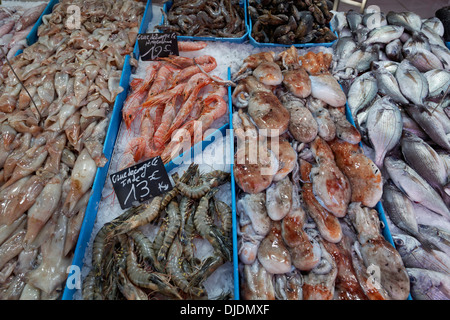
(243, 4)
(448, 44)
(148, 16)
(297, 45)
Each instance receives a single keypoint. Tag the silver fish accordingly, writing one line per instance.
(354, 19)
(437, 235)
(339, 21)
(384, 34)
(362, 92)
(412, 83)
(411, 126)
(374, 20)
(417, 40)
(390, 66)
(399, 209)
(384, 127)
(443, 54)
(409, 20)
(394, 50)
(429, 285)
(423, 59)
(435, 24)
(414, 186)
(388, 86)
(414, 256)
(431, 124)
(432, 36)
(424, 160)
(438, 82)
(361, 59)
(344, 47)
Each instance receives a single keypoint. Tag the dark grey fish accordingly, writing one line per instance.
(354, 19)
(429, 285)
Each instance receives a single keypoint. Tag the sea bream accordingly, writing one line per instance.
(414, 186)
(412, 83)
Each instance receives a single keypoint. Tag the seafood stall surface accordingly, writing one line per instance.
(307, 228)
(395, 68)
(52, 133)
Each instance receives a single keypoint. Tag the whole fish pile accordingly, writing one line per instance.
(202, 18)
(398, 97)
(52, 133)
(176, 102)
(129, 262)
(289, 22)
(306, 228)
(15, 25)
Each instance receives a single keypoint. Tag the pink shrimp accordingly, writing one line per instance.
(191, 45)
(166, 120)
(131, 107)
(162, 80)
(156, 113)
(187, 106)
(164, 97)
(214, 108)
(178, 61)
(133, 153)
(207, 63)
(214, 89)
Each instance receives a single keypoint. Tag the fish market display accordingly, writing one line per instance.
(172, 106)
(307, 227)
(291, 22)
(152, 251)
(52, 133)
(222, 19)
(16, 23)
(395, 67)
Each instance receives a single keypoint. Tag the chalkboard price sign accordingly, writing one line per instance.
(140, 182)
(156, 45)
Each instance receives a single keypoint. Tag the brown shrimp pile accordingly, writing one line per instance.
(127, 264)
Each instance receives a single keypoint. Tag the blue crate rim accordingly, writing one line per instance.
(242, 39)
(297, 45)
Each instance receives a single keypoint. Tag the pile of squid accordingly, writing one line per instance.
(131, 262)
(176, 102)
(52, 133)
(307, 225)
(290, 22)
(15, 25)
(398, 97)
(201, 18)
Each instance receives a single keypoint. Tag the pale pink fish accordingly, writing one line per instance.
(30, 16)
(24, 200)
(29, 163)
(45, 205)
(83, 174)
(11, 248)
(6, 28)
(52, 271)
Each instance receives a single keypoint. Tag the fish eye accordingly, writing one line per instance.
(399, 242)
(412, 279)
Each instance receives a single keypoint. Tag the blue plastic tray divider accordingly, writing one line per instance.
(148, 16)
(243, 3)
(33, 36)
(233, 197)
